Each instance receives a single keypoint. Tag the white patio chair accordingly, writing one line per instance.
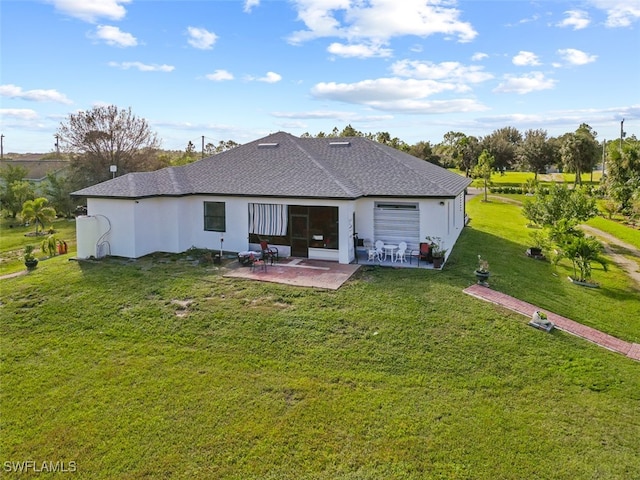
(367, 244)
(379, 249)
(400, 254)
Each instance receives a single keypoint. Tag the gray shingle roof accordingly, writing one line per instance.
(281, 165)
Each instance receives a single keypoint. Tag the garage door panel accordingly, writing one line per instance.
(395, 223)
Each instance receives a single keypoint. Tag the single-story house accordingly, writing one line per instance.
(309, 197)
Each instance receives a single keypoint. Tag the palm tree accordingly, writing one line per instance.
(37, 211)
(582, 251)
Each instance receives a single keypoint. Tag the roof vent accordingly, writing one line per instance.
(267, 145)
(339, 144)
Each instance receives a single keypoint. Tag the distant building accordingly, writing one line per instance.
(37, 167)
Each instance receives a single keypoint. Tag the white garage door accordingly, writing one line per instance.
(397, 222)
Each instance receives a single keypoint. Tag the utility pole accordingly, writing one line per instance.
(622, 135)
(604, 157)
(1, 146)
(57, 145)
(202, 147)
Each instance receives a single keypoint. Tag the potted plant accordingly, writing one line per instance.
(30, 260)
(62, 247)
(438, 251)
(482, 272)
(540, 321)
(539, 242)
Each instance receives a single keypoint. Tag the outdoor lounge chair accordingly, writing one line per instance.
(268, 252)
(260, 263)
(424, 253)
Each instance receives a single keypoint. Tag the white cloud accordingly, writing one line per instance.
(379, 20)
(201, 38)
(13, 91)
(358, 51)
(143, 67)
(114, 36)
(620, 13)
(479, 56)
(572, 56)
(578, 19)
(449, 71)
(396, 95)
(219, 76)
(91, 10)
(270, 77)
(523, 59)
(533, 18)
(421, 107)
(18, 113)
(330, 114)
(564, 120)
(382, 89)
(531, 82)
(249, 4)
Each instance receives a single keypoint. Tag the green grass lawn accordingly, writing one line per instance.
(613, 308)
(623, 232)
(161, 368)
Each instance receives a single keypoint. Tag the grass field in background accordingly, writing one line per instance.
(517, 179)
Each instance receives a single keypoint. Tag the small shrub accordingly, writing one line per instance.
(48, 245)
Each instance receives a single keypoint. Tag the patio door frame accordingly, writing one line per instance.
(299, 240)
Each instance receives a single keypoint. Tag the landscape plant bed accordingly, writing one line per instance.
(535, 253)
(582, 283)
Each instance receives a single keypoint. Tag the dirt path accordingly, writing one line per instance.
(628, 265)
(13, 275)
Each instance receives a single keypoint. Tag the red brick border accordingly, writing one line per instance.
(631, 350)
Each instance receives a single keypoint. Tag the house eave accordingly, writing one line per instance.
(238, 195)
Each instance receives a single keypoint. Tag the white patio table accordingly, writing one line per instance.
(389, 250)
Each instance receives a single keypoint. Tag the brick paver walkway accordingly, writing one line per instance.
(631, 350)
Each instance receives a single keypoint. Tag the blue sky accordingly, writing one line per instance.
(239, 70)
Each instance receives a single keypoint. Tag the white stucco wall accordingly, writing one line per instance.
(454, 223)
(119, 215)
(445, 221)
(175, 224)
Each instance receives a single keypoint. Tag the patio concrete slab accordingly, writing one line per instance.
(300, 272)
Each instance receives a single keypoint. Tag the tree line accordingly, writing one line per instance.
(95, 140)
